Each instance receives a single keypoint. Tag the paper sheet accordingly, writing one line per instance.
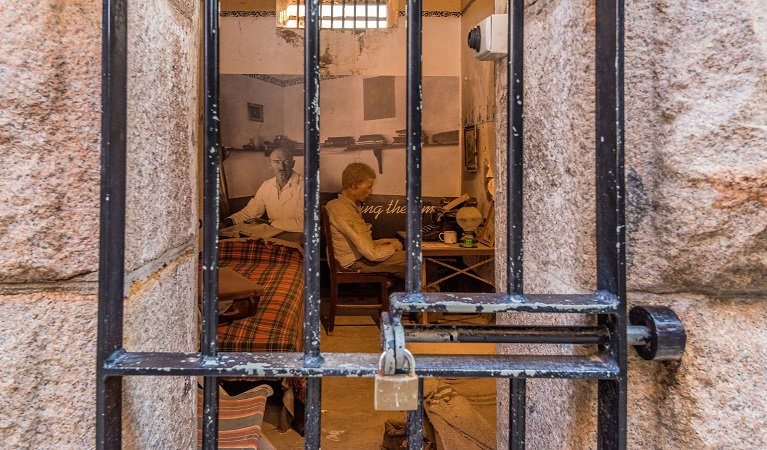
(258, 230)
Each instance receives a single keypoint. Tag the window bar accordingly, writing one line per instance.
(515, 152)
(312, 357)
(413, 188)
(413, 165)
(211, 150)
(343, 14)
(114, 49)
(415, 422)
(378, 13)
(610, 209)
(354, 2)
(517, 406)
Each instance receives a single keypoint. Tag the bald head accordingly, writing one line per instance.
(281, 163)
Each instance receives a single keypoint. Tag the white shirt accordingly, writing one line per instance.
(285, 207)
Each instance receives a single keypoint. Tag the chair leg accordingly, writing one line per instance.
(384, 297)
(332, 307)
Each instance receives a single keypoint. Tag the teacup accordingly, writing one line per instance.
(449, 237)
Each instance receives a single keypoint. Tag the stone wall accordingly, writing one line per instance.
(50, 74)
(696, 164)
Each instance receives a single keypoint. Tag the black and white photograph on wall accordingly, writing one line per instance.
(363, 120)
(470, 148)
(256, 112)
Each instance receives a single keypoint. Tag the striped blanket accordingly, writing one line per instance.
(239, 418)
(278, 324)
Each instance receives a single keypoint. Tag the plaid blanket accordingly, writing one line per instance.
(278, 324)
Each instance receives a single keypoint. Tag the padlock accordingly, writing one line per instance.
(396, 392)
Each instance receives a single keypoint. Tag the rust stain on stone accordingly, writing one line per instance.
(290, 36)
(737, 188)
(326, 59)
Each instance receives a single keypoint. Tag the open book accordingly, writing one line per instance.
(257, 230)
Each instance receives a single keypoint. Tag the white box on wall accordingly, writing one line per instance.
(489, 39)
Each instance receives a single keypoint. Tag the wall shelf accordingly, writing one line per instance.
(378, 149)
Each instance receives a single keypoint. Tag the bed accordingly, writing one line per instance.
(278, 324)
(278, 266)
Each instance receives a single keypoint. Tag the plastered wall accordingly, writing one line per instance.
(50, 73)
(695, 142)
(253, 45)
(478, 106)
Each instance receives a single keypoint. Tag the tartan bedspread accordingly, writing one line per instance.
(278, 324)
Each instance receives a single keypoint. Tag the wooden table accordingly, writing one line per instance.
(432, 252)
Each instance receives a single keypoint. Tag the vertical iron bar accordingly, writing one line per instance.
(312, 182)
(415, 422)
(313, 413)
(413, 165)
(210, 155)
(514, 133)
(114, 75)
(610, 208)
(312, 357)
(514, 142)
(517, 405)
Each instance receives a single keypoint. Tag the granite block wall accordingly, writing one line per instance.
(50, 80)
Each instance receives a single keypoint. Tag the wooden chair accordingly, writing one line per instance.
(340, 275)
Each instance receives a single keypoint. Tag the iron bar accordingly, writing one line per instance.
(500, 334)
(413, 153)
(211, 150)
(312, 357)
(415, 422)
(514, 142)
(313, 414)
(312, 182)
(517, 406)
(515, 199)
(283, 365)
(610, 208)
(598, 303)
(114, 51)
(413, 189)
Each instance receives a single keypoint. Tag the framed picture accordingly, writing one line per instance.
(256, 112)
(470, 148)
(488, 231)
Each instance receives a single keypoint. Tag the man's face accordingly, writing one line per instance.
(361, 191)
(281, 163)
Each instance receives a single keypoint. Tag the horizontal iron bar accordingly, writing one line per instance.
(499, 334)
(286, 365)
(637, 335)
(506, 334)
(597, 303)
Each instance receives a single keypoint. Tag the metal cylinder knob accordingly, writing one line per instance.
(667, 336)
